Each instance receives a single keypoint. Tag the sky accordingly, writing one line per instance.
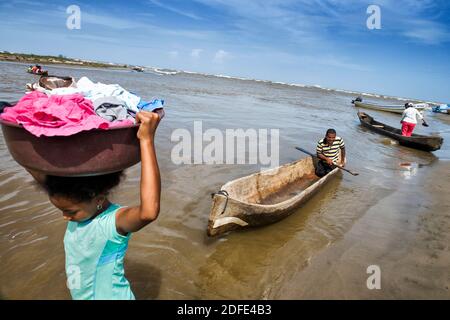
(315, 42)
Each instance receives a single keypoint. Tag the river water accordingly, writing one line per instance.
(395, 214)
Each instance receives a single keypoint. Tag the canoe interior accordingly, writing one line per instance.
(291, 189)
(54, 82)
(274, 186)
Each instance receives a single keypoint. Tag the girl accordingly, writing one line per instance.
(98, 231)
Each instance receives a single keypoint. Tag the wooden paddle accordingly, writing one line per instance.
(340, 167)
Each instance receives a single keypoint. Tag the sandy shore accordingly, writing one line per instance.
(61, 61)
(405, 234)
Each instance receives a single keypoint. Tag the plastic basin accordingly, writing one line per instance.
(86, 153)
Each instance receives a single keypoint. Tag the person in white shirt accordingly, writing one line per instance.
(409, 119)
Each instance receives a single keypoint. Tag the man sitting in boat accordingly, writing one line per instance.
(36, 69)
(329, 150)
(409, 119)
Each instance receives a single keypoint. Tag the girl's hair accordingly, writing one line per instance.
(81, 189)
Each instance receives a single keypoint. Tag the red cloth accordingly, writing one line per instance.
(57, 115)
(407, 128)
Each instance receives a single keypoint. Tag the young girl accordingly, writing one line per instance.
(98, 231)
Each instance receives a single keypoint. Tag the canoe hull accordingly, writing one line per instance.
(416, 141)
(393, 109)
(45, 73)
(228, 213)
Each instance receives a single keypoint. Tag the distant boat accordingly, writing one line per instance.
(41, 73)
(416, 141)
(138, 69)
(388, 108)
(443, 108)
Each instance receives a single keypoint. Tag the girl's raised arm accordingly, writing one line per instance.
(133, 219)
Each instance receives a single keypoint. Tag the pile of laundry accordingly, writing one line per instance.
(59, 106)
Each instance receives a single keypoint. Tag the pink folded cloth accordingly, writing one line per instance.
(57, 115)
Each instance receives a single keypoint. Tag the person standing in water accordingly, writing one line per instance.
(409, 119)
(98, 231)
(329, 150)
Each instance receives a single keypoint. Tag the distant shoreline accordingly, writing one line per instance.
(64, 61)
(58, 60)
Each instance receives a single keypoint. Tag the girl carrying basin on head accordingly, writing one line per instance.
(98, 231)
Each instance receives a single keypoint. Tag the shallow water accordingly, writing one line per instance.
(174, 259)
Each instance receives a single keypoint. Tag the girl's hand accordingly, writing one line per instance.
(149, 122)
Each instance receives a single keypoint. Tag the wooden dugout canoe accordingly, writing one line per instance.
(264, 197)
(42, 73)
(393, 108)
(416, 141)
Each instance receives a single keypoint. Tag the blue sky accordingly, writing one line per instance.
(315, 42)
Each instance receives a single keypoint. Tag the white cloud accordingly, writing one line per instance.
(14, 3)
(427, 32)
(221, 56)
(114, 22)
(301, 22)
(175, 10)
(109, 21)
(312, 22)
(199, 35)
(195, 53)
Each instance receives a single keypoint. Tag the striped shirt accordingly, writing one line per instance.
(332, 151)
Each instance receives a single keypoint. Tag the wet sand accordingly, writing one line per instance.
(406, 234)
(393, 214)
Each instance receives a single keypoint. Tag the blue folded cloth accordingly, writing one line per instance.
(149, 106)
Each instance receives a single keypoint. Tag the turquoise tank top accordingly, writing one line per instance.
(95, 252)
